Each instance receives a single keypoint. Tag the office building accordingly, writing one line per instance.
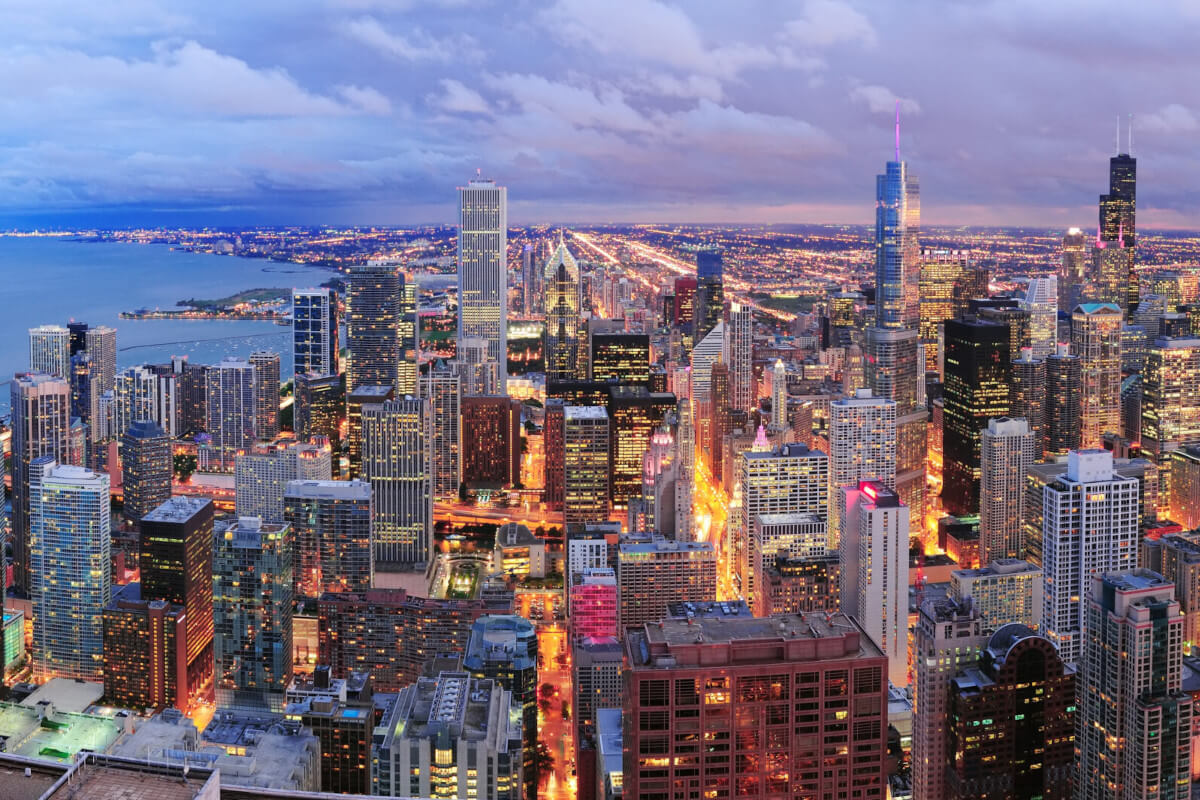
(320, 406)
(691, 677)
(586, 547)
(1063, 401)
(1028, 397)
(1073, 268)
(191, 385)
(743, 390)
(41, 423)
(1176, 556)
(266, 389)
(491, 441)
(50, 350)
(1090, 527)
(480, 375)
(1041, 303)
(1012, 721)
(146, 393)
(231, 399)
(532, 283)
(504, 648)
(634, 413)
(176, 562)
(708, 306)
(409, 367)
(798, 585)
(100, 343)
(1183, 487)
(442, 388)
(1007, 450)
(977, 387)
(685, 481)
(947, 638)
(562, 304)
(341, 714)
(71, 574)
(554, 450)
(874, 569)
(585, 464)
(315, 348)
(396, 462)
(518, 552)
(253, 580)
(895, 371)
(1007, 590)
(262, 475)
(653, 572)
(596, 684)
(1134, 721)
(483, 270)
(897, 252)
(1170, 407)
(620, 358)
(331, 521)
(718, 418)
(450, 736)
(145, 652)
(147, 464)
(85, 396)
(594, 603)
(374, 294)
(1096, 339)
(1008, 312)
(391, 634)
(862, 445)
(355, 402)
(940, 271)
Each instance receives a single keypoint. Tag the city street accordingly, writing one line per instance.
(553, 730)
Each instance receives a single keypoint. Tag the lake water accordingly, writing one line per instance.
(53, 281)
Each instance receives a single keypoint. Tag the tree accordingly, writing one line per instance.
(185, 465)
(543, 762)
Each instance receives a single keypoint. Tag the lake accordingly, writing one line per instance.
(53, 281)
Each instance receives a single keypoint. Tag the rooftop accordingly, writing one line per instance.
(453, 701)
(727, 610)
(1134, 580)
(329, 490)
(44, 733)
(178, 509)
(67, 694)
(1001, 566)
(638, 544)
(807, 518)
(584, 412)
(131, 782)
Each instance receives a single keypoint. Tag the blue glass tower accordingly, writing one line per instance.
(315, 331)
(897, 251)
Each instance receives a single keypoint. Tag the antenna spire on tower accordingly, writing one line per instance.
(1118, 134)
(897, 131)
(1131, 134)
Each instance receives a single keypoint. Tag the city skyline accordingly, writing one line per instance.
(684, 114)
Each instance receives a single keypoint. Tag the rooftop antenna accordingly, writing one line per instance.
(1131, 134)
(1118, 134)
(897, 131)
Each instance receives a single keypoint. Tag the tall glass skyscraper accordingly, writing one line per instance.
(709, 302)
(315, 331)
(562, 316)
(483, 268)
(396, 460)
(374, 293)
(897, 252)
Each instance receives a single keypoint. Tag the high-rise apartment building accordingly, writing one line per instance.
(897, 251)
(41, 424)
(653, 572)
(320, 406)
(1063, 402)
(332, 525)
(1008, 590)
(71, 574)
(315, 318)
(743, 391)
(940, 271)
(340, 712)
(50, 350)
(100, 343)
(1007, 449)
(361, 397)
(373, 297)
(1027, 399)
(1096, 339)
(862, 445)
(396, 462)
(1073, 268)
(765, 678)
(948, 637)
(1090, 527)
(585, 464)
(596, 683)
(176, 563)
(709, 303)
(1041, 303)
(261, 476)
(1133, 733)
(483, 269)
(441, 386)
(491, 441)
(1012, 721)
(977, 388)
(145, 652)
(231, 397)
(562, 303)
(1176, 556)
(253, 581)
(147, 464)
(874, 568)
(146, 393)
(593, 603)
(1170, 402)
(895, 371)
(266, 393)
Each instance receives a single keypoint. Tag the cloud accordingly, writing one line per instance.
(880, 99)
(457, 98)
(1170, 119)
(605, 108)
(830, 22)
(369, 100)
(417, 46)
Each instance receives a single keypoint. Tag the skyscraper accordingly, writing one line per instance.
(633, 415)
(653, 572)
(177, 567)
(1005, 591)
(1133, 727)
(41, 423)
(262, 475)
(253, 590)
(620, 358)
(708, 306)
(743, 392)
(396, 461)
(1062, 400)
(862, 446)
(368, 394)
(315, 331)
(409, 332)
(332, 525)
(146, 468)
(491, 441)
(685, 482)
(1041, 303)
(585, 464)
(1007, 450)
(146, 393)
(266, 398)
(320, 406)
(940, 271)
(895, 371)
(1170, 413)
(1096, 339)
(1028, 397)
(897, 251)
(532, 300)
(69, 552)
(442, 388)
(50, 350)
(562, 303)
(100, 343)
(232, 401)
(483, 269)
(1090, 527)
(977, 389)
(1118, 208)
(373, 299)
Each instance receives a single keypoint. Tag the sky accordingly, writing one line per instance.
(160, 112)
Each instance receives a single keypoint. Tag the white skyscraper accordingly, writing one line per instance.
(874, 568)
(1041, 301)
(101, 344)
(685, 481)
(779, 396)
(396, 460)
(741, 357)
(442, 387)
(142, 393)
(231, 398)
(862, 446)
(483, 269)
(1089, 527)
(707, 351)
(50, 350)
(261, 477)
(1006, 448)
